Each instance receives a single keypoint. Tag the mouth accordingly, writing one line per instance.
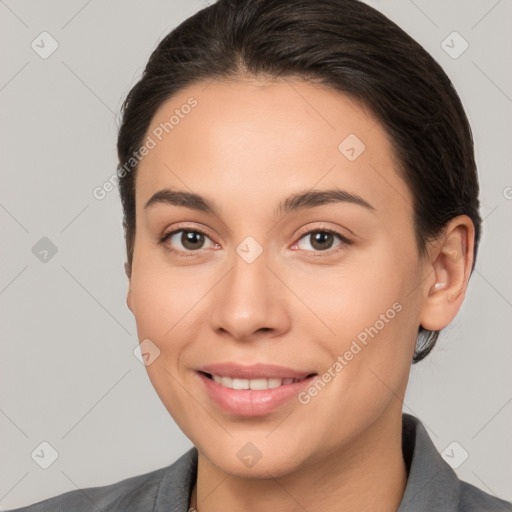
(252, 390)
(261, 394)
(257, 384)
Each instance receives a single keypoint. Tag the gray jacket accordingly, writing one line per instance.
(432, 486)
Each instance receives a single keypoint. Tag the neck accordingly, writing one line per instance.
(370, 474)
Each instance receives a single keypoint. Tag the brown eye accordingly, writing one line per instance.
(184, 240)
(320, 241)
(192, 240)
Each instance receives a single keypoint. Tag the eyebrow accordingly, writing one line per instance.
(296, 202)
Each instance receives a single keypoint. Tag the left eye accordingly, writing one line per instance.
(320, 240)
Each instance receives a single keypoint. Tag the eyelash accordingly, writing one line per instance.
(186, 254)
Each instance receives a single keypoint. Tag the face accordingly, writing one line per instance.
(324, 284)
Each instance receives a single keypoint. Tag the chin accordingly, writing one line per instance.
(243, 458)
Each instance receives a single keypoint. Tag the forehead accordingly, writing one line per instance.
(248, 141)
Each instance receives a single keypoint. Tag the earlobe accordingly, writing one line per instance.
(128, 271)
(451, 260)
(129, 300)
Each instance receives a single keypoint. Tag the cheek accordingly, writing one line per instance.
(346, 298)
(169, 305)
(365, 313)
(162, 295)
(161, 317)
(367, 356)
(153, 305)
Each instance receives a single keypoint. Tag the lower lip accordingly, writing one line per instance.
(249, 402)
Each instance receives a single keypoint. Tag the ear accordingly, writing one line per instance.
(450, 260)
(128, 272)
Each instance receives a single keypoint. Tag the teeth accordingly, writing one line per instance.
(256, 384)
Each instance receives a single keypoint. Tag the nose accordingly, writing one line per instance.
(250, 302)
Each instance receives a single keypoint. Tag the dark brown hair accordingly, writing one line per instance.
(346, 45)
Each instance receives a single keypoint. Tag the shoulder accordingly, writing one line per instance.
(432, 484)
(473, 499)
(157, 491)
(140, 490)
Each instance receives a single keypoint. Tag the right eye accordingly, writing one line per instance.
(191, 240)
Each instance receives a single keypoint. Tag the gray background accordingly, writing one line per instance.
(68, 375)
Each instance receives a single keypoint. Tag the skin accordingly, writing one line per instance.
(248, 144)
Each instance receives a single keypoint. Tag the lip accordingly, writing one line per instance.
(255, 371)
(250, 402)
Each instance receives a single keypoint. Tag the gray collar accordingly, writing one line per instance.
(432, 484)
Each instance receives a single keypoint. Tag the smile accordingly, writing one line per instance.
(255, 384)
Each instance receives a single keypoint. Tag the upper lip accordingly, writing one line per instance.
(255, 371)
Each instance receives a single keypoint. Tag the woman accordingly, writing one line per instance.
(259, 133)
